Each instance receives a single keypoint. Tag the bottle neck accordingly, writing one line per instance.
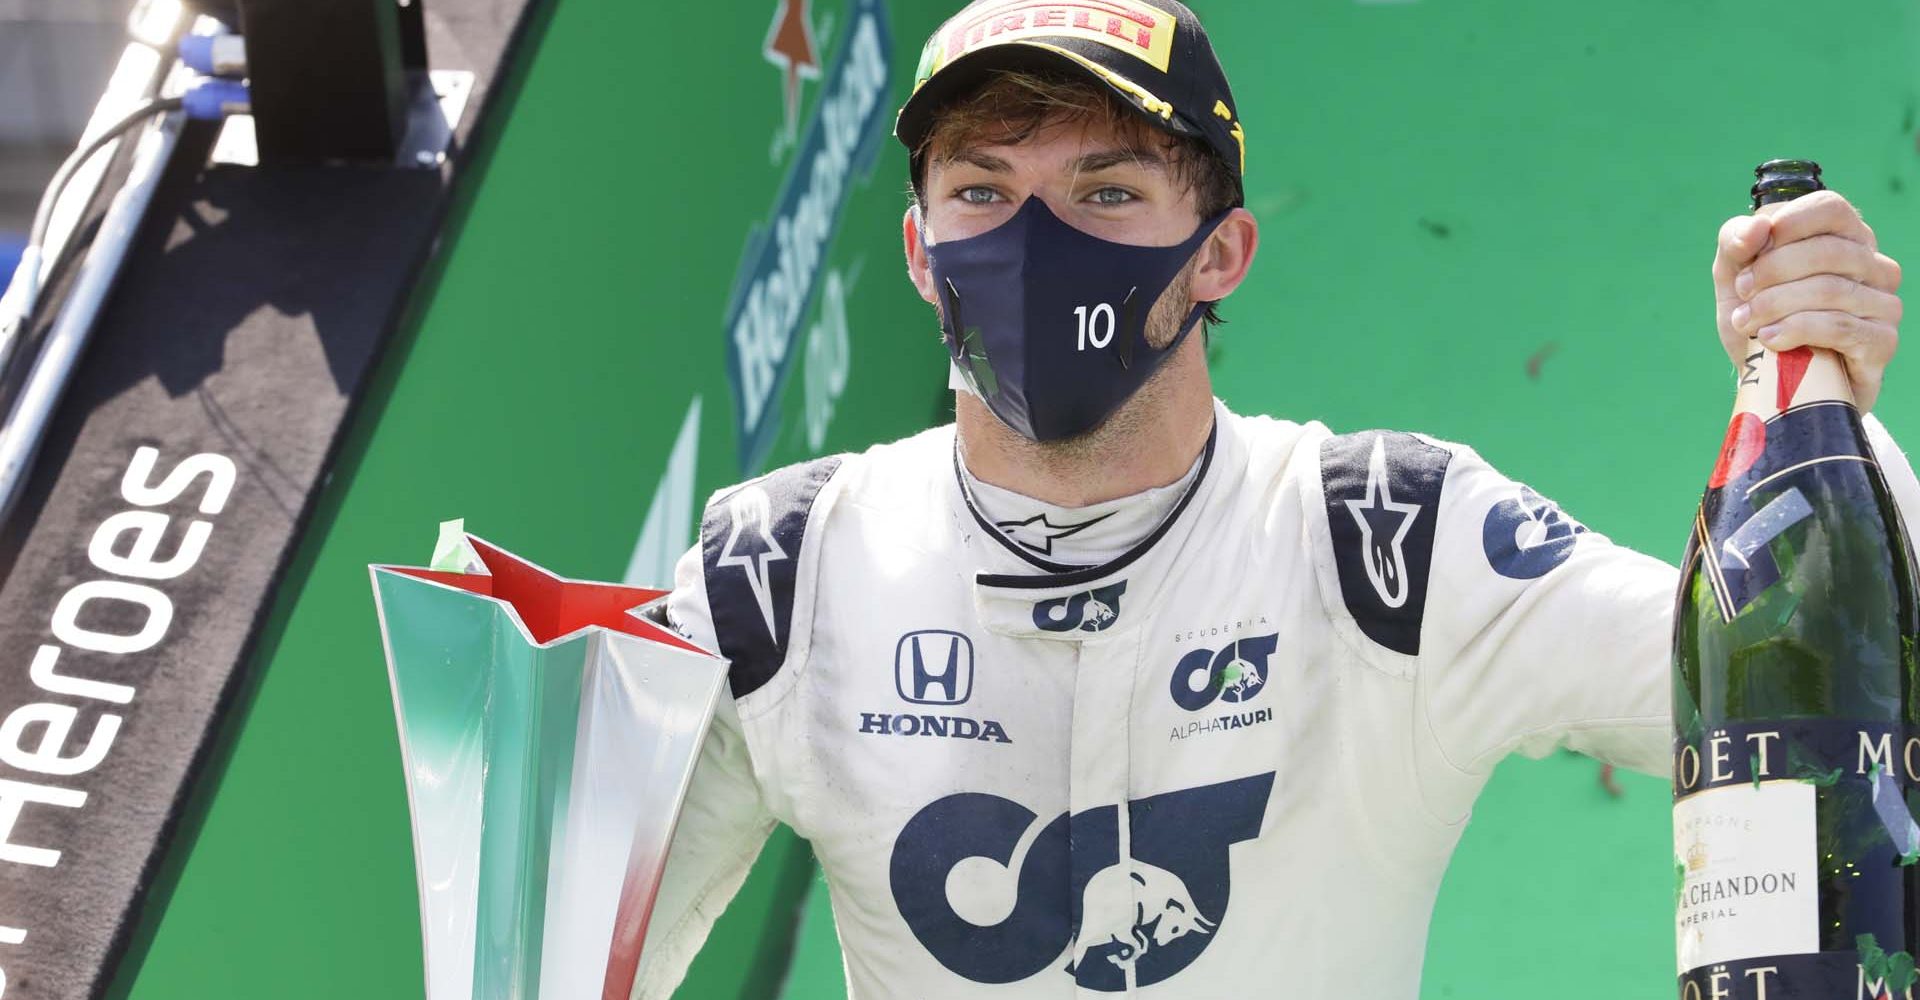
(1771, 382)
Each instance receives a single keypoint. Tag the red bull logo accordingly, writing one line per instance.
(1163, 912)
(1076, 906)
(1094, 611)
(1235, 673)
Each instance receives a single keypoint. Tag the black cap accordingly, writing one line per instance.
(1152, 53)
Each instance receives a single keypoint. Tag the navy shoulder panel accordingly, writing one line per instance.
(750, 542)
(1383, 502)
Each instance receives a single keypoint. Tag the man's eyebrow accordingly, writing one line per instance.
(1105, 158)
(974, 156)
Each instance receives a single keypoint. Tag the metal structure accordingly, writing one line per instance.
(333, 81)
(209, 284)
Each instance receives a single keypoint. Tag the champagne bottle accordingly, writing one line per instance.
(1796, 749)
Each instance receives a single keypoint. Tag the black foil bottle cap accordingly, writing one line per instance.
(1785, 180)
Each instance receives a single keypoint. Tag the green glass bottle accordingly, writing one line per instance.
(1796, 749)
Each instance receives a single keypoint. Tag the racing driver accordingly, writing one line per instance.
(1104, 688)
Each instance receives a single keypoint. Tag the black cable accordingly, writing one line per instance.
(18, 326)
(43, 218)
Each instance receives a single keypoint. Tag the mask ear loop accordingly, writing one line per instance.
(1129, 307)
(950, 297)
(1192, 322)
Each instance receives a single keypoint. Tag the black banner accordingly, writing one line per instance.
(176, 479)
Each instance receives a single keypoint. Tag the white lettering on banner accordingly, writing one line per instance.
(43, 677)
(66, 616)
(9, 935)
(42, 737)
(56, 723)
(149, 526)
(14, 797)
(829, 355)
(769, 315)
(134, 486)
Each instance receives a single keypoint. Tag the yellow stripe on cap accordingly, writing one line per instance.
(1149, 101)
(1220, 109)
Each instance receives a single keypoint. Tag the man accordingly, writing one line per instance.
(1105, 689)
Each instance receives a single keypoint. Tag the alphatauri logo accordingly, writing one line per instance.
(957, 862)
(1092, 611)
(1228, 677)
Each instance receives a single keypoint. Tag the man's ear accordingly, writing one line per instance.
(919, 269)
(1225, 257)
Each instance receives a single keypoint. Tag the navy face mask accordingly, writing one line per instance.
(1048, 324)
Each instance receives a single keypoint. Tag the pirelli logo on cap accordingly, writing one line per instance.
(1138, 29)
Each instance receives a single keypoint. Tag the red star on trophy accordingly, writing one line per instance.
(549, 733)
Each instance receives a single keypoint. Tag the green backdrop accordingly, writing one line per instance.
(1490, 221)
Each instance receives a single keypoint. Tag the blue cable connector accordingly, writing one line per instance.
(211, 100)
(215, 55)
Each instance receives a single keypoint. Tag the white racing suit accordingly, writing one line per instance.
(1231, 762)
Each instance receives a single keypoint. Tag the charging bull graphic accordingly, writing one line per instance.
(994, 901)
(1163, 912)
(1234, 673)
(1243, 680)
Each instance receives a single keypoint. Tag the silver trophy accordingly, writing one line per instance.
(549, 732)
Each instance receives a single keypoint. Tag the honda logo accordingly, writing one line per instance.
(934, 667)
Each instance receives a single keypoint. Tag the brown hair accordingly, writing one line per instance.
(1013, 105)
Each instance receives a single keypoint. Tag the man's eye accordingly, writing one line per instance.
(977, 195)
(1111, 196)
